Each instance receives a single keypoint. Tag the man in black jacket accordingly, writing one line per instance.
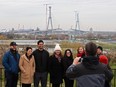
(89, 73)
(41, 60)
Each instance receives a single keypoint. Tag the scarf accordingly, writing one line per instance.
(81, 54)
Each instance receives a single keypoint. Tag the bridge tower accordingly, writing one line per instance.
(77, 24)
(49, 20)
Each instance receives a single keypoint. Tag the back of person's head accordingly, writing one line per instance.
(91, 49)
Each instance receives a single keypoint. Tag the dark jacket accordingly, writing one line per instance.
(11, 62)
(67, 61)
(107, 83)
(41, 60)
(90, 73)
(56, 70)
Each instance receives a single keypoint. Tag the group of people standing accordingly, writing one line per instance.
(35, 66)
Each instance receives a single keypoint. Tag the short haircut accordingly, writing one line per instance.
(91, 49)
(40, 41)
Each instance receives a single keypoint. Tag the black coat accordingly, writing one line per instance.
(90, 73)
(41, 60)
(56, 70)
(67, 61)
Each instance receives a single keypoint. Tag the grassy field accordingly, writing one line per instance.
(113, 66)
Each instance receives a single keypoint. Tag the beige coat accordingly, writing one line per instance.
(27, 68)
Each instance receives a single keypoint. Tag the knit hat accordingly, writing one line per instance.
(99, 47)
(57, 47)
(103, 59)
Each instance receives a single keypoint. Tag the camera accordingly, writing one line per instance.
(80, 60)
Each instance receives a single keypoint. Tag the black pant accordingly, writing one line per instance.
(55, 85)
(26, 85)
(11, 79)
(40, 77)
(68, 82)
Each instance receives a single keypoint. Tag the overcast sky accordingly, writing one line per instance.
(98, 14)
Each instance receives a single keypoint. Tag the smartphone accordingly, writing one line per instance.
(80, 60)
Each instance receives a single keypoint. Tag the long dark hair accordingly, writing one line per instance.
(29, 57)
(71, 56)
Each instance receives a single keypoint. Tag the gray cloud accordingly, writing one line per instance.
(99, 14)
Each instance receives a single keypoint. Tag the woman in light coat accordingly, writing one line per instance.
(27, 67)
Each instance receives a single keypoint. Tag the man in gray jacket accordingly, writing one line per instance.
(89, 73)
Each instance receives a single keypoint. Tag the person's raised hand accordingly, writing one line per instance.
(76, 61)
